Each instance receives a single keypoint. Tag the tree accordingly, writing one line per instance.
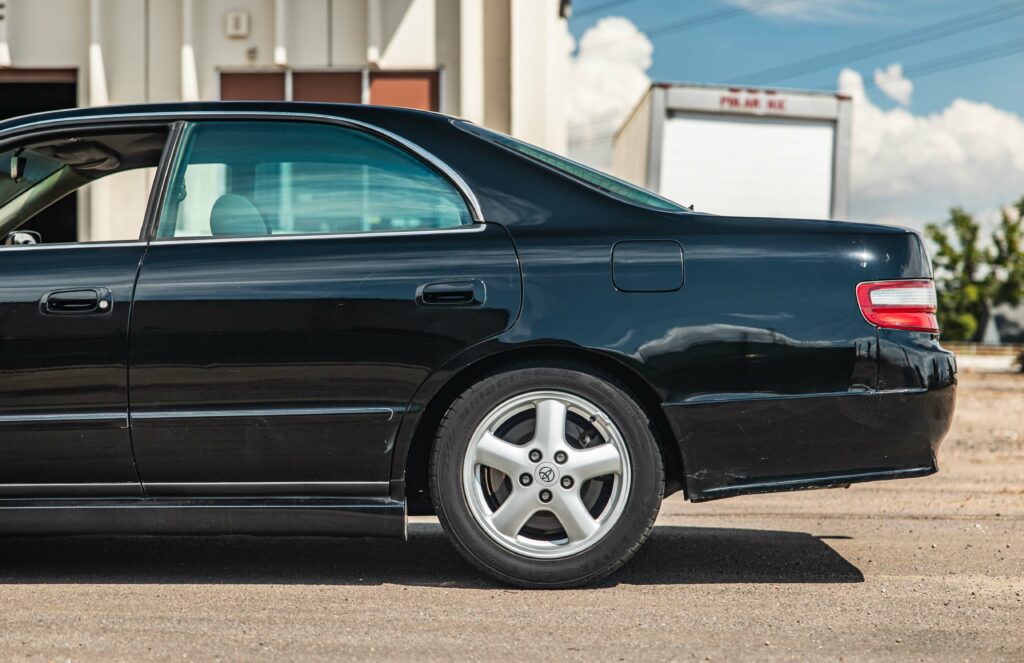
(1008, 261)
(970, 280)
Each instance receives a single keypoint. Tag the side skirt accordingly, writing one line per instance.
(310, 516)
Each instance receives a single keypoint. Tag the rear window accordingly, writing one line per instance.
(610, 185)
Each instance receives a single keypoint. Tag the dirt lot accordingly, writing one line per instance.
(925, 569)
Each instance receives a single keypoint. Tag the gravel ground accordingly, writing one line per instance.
(922, 569)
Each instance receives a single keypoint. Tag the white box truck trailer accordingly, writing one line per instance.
(740, 151)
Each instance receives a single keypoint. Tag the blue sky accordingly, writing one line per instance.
(753, 41)
(953, 137)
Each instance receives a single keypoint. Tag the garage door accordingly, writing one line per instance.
(256, 86)
(415, 89)
(749, 166)
(24, 91)
(405, 89)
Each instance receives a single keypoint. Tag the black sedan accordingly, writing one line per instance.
(274, 318)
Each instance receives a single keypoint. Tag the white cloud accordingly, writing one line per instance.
(906, 169)
(607, 77)
(910, 168)
(812, 11)
(893, 84)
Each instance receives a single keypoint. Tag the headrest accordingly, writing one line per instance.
(235, 215)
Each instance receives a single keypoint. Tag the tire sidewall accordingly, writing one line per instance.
(617, 545)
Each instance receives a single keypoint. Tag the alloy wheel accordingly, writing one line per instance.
(546, 474)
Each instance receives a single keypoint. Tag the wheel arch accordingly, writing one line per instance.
(415, 467)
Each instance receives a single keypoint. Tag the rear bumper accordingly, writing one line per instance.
(768, 444)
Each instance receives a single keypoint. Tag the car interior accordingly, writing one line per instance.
(35, 176)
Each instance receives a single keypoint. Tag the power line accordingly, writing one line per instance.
(601, 7)
(693, 22)
(931, 32)
(605, 118)
(919, 70)
(590, 141)
(700, 20)
(985, 53)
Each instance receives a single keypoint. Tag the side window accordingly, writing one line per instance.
(241, 178)
(78, 188)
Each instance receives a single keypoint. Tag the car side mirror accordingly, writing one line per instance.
(22, 238)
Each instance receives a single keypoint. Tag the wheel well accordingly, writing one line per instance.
(417, 466)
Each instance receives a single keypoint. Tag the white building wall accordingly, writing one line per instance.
(471, 60)
(501, 62)
(408, 34)
(123, 40)
(308, 33)
(349, 22)
(537, 57)
(163, 80)
(448, 55)
(497, 80)
(631, 146)
(213, 51)
(38, 40)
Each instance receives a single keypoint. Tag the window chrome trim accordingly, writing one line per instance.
(210, 239)
(64, 417)
(71, 245)
(201, 115)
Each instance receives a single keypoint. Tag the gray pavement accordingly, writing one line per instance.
(925, 569)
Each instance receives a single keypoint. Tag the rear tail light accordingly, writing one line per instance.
(906, 305)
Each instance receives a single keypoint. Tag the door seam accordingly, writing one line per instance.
(128, 371)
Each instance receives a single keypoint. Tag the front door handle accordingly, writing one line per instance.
(80, 301)
(452, 293)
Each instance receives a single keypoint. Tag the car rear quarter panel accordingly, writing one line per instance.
(762, 364)
(768, 375)
(766, 370)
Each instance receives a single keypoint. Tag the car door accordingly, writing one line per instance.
(65, 308)
(305, 279)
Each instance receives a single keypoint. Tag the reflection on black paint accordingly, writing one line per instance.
(320, 322)
(767, 365)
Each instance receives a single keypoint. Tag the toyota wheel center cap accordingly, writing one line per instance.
(547, 475)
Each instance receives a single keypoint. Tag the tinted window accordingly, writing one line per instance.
(279, 178)
(606, 183)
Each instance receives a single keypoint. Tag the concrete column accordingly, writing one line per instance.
(280, 33)
(497, 79)
(471, 60)
(189, 75)
(374, 32)
(537, 69)
(98, 95)
(5, 50)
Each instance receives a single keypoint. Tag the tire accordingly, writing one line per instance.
(604, 458)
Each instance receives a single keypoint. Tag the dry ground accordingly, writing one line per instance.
(924, 569)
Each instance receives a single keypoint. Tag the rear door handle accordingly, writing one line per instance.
(80, 301)
(452, 293)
